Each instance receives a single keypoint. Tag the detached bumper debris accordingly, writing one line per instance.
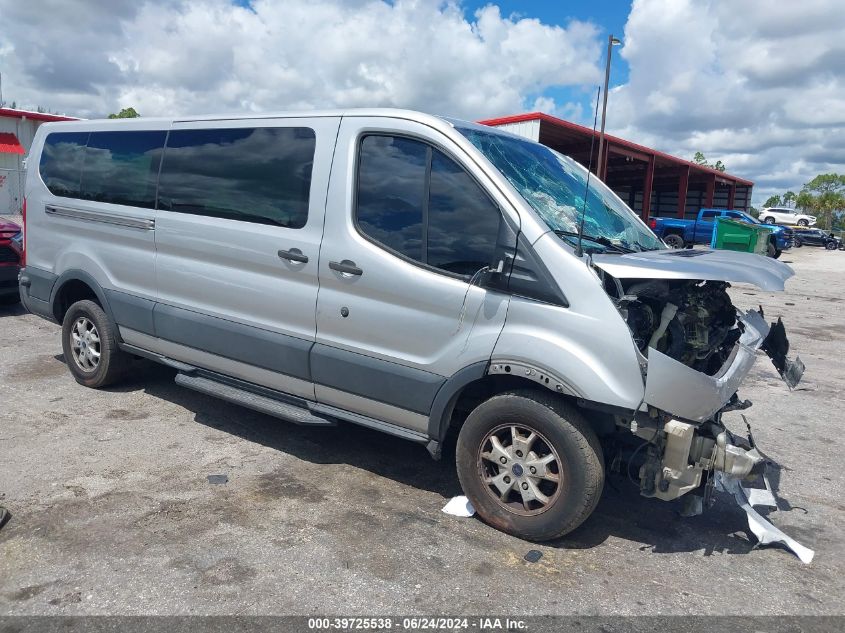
(765, 532)
(459, 507)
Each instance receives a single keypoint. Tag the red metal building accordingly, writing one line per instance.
(653, 183)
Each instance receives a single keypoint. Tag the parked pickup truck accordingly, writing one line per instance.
(678, 233)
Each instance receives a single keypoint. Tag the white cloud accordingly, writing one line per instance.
(167, 56)
(758, 85)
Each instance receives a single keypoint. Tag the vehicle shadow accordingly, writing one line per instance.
(621, 513)
(8, 308)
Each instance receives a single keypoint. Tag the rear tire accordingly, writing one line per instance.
(89, 343)
(565, 455)
(673, 240)
(770, 220)
(798, 243)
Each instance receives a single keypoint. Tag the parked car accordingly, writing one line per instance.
(470, 282)
(786, 215)
(678, 232)
(817, 237)
(10, 254)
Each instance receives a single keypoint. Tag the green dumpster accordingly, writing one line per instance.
(731, 235)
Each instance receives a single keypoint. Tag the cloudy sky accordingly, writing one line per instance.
(759, 85)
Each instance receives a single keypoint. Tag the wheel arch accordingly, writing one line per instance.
(481, 381)
(73, 286)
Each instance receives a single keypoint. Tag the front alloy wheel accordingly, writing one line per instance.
(803, 223)
(530, 464)
(521, 469)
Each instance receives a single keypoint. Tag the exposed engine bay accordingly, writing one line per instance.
(692, 322)
(696, 348)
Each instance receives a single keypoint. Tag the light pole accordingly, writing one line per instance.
(611, 42)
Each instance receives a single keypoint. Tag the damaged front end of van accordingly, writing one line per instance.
(695, 349)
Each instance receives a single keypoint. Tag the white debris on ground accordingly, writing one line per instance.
(459, 507)
(761, 528)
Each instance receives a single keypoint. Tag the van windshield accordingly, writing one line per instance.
(555, 186)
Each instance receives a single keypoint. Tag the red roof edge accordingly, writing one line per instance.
(548, 118)
(35, 116)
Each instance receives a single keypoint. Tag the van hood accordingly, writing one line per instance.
(700, 264)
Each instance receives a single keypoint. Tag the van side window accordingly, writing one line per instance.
(258, 175)
(463, 222)
(61, 162)
(420, 203)
(122, 167)
(392, 192)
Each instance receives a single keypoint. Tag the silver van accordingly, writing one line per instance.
(413, 274)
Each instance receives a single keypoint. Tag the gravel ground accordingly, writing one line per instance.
(113, 514)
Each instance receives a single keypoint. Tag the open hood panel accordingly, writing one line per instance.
(704, 264)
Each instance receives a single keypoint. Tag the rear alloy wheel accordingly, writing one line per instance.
(674, 241)
(770, 220)
(530, 464)
(798, 243)
(90, 346)
(803, 223)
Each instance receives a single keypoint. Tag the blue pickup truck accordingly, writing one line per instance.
(678, 233)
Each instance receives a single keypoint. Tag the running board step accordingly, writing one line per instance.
(253, 401)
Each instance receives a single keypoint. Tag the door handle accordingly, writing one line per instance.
(346, 267)
(294, 255)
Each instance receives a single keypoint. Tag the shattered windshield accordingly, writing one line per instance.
(554, 185)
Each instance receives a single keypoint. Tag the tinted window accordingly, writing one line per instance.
(253, 174)
(462, 221)
(122, 167)
(708, 216)
(61, 162)
(422, 204)
(391, 192)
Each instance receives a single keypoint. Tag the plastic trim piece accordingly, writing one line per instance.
(376, 379)
(145, 224)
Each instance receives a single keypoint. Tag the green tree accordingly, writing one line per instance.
(823, 196)
(126, 113)
(701, 159)
(789, 198)
(773, 201)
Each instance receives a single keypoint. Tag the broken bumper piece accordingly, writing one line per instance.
(686, 393)
(765, 532)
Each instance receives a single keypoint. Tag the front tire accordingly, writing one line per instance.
(803, 223)
(530, 464)
(771, 250)
(831, 246)
(90, 346)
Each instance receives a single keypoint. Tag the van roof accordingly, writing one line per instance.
(393, 113)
